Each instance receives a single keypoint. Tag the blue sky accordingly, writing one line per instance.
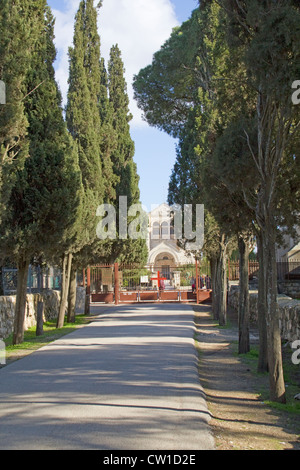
(139, 27)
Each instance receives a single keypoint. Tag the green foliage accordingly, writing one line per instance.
(41, 194)
(238, 132)
(17, 39)
(108, 142)
(194, 179)
(86, 117)
(98, 119)
(43, 199)
(123, 153)
(239, 48)
(165, 89)
(122, 156)
(82, 112)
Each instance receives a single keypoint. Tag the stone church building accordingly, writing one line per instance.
(164, 253)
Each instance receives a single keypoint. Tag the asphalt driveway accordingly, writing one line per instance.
(126, 381)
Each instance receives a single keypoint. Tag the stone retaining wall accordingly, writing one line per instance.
(290, 288)
(289, 312)
(51, 299)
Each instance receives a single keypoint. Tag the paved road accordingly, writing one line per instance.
(127, 381)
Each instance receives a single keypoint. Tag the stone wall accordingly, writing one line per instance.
(7, 312)
(289, 312)
(290, 288)
(51, 299)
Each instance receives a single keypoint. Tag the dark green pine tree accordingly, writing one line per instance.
(43, 203)
(16, 42)
(82, 113)
(86, 97)
(108, 137)
(89, 120)
(15, 48)
(122, 155)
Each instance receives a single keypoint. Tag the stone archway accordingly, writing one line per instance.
(166, 251)
(165, 263)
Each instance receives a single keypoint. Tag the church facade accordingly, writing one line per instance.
(164, 253)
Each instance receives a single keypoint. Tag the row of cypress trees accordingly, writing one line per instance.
(56, 170)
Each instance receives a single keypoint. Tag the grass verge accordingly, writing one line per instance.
(291, 378)
(32, 342)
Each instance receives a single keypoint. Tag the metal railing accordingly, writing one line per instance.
(286, 270)
(38, 278)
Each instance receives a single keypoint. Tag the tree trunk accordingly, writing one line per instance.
(66, 271)
(277, 386)
(18, 335)
(40, 318)
(213, 269)
(244, 334)
(219, 283)
(72, 296)
(87, 305)
(261, 309)
(273, 129)
(1, 281)
(222, 281)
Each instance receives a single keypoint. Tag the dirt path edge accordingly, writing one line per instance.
(240, 420)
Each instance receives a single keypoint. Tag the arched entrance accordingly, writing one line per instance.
(165, 263)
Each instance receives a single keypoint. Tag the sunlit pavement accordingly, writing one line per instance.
(126, 381)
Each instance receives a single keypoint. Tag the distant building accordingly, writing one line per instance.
(164, 253)
(290, 251)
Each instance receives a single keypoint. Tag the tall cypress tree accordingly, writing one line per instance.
(43, 202)
(82, 112)
(16, 43)
(108, 137)
(88, 116)
(84, 124)
(123, 155)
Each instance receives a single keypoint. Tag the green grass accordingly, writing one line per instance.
(216, 324)
(291, 378)
(51, 333)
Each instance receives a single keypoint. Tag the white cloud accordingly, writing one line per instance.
(139, 27)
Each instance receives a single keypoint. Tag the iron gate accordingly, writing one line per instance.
(135, 284)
